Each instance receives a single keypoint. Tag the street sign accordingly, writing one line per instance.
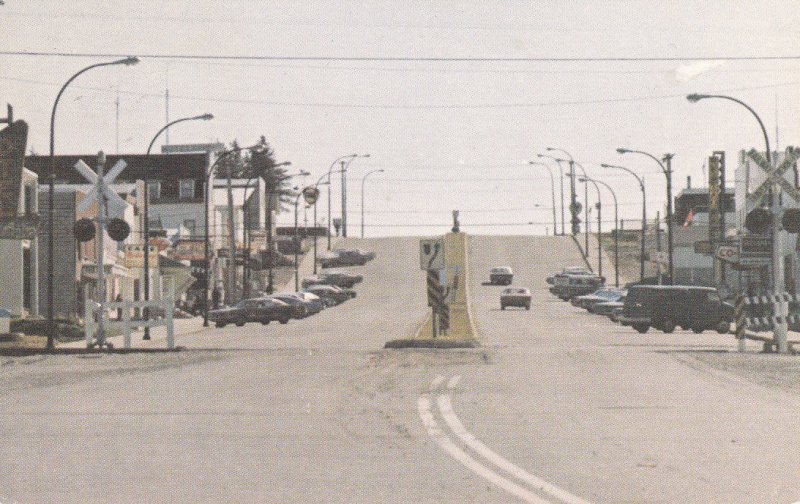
(431, 254)
(728, 253)
(310, 194)
(116, 205)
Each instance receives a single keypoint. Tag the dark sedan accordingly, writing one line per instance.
(332, 293)
(337, 278)
(601, 295)
(300, 307)
(262, 310)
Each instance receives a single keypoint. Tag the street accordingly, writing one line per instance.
(556, 406)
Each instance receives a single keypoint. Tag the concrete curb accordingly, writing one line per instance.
(432, 343)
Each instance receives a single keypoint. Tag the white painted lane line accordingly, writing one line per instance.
(432, 426)
(452, 421)
(436, 382)
(453, 382)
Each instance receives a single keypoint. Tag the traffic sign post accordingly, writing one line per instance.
(109, 203)
(772, 186)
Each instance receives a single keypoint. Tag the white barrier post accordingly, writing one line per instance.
(169, 308)
(126, 319)
(88, 322)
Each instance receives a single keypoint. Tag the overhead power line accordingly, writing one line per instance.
(434, 59)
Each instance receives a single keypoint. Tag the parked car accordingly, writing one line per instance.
(262, 310)
(501, 275)
(667, 306)
(568, 285)
(332, 293)
(601, 295)
(345, 257)
(573, 270)
(515, 296)
(299, 305)
(607, 307)
(337, 278)
(315, 303)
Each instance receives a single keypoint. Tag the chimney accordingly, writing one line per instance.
(688, 181)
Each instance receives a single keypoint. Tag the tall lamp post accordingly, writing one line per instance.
(330, 169)
(345, 166)
(51, 327)
(146, 213)
(363, 179)
(573, 203)
(667, 170)
(245, 228)
(586, 180)
(207, 199)
(616, 227)
(561, 184)
(644, 213)
(552, 190)
(780, 332)
(319, 183)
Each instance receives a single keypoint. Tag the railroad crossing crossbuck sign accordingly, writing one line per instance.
(116, 205)
(774, 176)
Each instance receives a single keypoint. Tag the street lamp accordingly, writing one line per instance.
(319, 183)
(561, 184)
(586, 180)
(667, 170)
(552, 190)
(330, 169)
(574, 163)
(363, 179)
(694, 98)
(644, 213)
(245, 228)
(344, 192)
(146, 214)
(616, 227)
(573, 204)
(51, 327)
(222, 155)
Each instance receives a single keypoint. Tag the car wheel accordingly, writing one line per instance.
(502, 307)
(265, 322)
(642, 328)
(284, 321)
(220, 324)
(724, 327)
(239, 324)
(697, 330)
(527, 307)
(668, 326)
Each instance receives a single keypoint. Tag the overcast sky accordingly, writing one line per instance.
(450, 135)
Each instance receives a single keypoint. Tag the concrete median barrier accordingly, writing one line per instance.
(462, 332)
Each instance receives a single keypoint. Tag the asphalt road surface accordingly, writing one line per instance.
(556, 406)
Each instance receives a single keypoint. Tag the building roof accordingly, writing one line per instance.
(161, 166)
(701, 191)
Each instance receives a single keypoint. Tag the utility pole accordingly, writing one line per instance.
(230, 296)
(668, 173)
(344, 200)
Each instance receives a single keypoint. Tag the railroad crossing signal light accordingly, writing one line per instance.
(118, 229)
(84, 230)
(758, 221)
(791, 220)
